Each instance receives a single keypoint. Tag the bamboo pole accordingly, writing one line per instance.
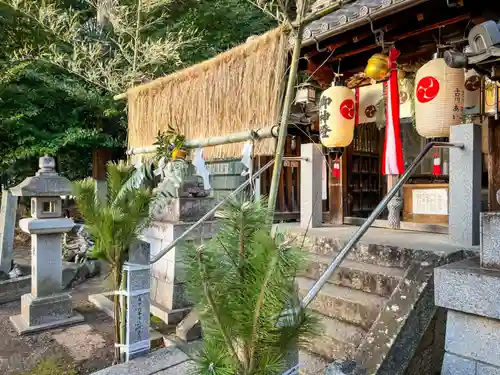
(216, 141)
(287, 105)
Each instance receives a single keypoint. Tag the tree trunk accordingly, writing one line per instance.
(116, 313)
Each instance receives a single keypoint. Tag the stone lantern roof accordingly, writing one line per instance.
(46, 182)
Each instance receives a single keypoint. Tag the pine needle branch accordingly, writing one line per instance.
(229, 255)
(211, 302)
(258, 306)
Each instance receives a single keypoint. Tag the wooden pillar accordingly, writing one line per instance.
(337, 190)
(100, 158)
(493, 163)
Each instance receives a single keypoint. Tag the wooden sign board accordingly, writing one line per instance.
(426, 203)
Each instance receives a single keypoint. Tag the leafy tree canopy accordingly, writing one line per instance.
(61, 61)
(46, 111)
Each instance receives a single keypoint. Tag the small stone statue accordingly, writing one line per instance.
(498, 196)
(179, 181)
(77, 247)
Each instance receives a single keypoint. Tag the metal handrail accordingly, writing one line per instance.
(210, 213)
(313, 292)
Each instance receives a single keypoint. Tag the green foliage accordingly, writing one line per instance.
(242, 281)
(220, 25)
(61, 62)
(168, 142)
(46, 111)
(53, 366)
(115, 222)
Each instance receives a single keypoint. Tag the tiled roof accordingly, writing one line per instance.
(351, 15)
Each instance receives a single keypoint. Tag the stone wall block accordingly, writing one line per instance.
(490, 240)
(455, 365)
(474, 337)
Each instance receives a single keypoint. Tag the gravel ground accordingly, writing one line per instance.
(89, 345)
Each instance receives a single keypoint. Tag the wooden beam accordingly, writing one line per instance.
(404, 36)
(493, 163)
(349, 40)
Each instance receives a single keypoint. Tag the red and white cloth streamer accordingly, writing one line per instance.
(392, 159)
(436, 170)
(336, 169)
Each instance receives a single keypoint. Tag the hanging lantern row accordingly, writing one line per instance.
(439, 101)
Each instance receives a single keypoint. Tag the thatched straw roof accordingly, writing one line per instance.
(238, 90)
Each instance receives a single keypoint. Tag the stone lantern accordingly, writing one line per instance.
(46, 306)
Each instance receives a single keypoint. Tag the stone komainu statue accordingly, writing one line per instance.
(178, 181)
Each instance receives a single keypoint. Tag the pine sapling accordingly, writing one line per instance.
(242, 281)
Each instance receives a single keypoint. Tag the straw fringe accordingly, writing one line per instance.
(238, 90)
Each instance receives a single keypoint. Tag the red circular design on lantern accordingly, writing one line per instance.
(427, 89)
(347, 109)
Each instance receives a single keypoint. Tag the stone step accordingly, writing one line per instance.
(376, 254)
(361, 276)
(311, 364)
(338, 340)
(345, 304)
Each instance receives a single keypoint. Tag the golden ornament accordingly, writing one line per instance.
(377, 67)
(179, 153)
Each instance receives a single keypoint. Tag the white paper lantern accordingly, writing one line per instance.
(336, 117)
(472, 95)
(439, 98)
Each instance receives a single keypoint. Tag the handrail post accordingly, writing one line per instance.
(465, 186)
(313, 292)
(311, 207)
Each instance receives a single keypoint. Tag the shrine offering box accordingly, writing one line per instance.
(426, 203)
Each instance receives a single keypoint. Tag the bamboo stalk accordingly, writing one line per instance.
(216, 141)
(287, 105)
(123, 311)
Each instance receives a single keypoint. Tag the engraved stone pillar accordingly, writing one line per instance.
(137, 302)
(465, 185)
(137, 274)
(7, 225)
(46, 306)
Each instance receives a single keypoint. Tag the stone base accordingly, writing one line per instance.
(169, 316)
(103, 303)
(186, 210)
(465, 286)
(23, 328)
(13, 289)
(189, 329)
(45, 310)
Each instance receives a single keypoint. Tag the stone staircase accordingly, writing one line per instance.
(366, 305)
(347, 306)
